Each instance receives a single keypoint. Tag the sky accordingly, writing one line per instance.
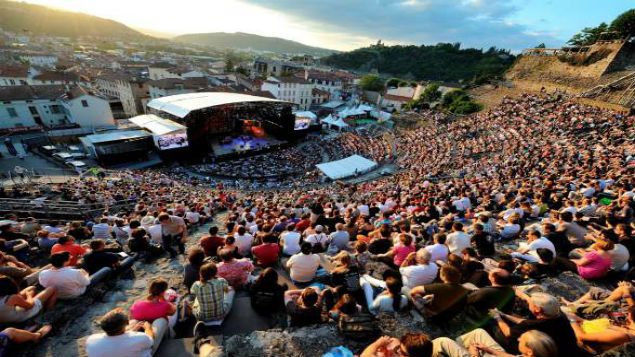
(350, 24)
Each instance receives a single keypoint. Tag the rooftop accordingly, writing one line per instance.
(173, 83)
(27, 92)
(14, 71)
(57, 76)
(116, 136)
(156, 124)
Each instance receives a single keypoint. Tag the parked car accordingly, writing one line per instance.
(48, 149)
(64, 156)
(76, 164)
(78, 155)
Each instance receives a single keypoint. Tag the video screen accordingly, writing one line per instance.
(302, 123)
(172, 141)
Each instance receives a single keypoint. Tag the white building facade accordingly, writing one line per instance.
(290, 89)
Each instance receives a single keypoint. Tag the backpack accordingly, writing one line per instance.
(351, 281)
(359, 327)
(263, 301)
(318, 247)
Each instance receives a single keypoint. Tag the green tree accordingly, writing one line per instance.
(624, 23)
(465, 107)
(392, 82)
(453, 96)
(431, 93)
(229, 64)
(588, 35)
(371, 82)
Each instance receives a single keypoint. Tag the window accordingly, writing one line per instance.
(33, 110)
(12, 112)
(84, 103)
(12, 82)
(55, 109)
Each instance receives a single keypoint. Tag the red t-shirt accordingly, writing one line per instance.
(302, 225)
(210, 244)
(267, 254)
(146, 310)
(75, 250)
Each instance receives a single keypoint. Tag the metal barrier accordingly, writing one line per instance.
(60, 210)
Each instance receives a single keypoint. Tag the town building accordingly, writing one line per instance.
(325, 81)
(54, 77)
(13, 75)
(291, 89)
(265, 67)
(51, 106)
(129, 90)
(171, 86)
(165, 70)
(38, 59)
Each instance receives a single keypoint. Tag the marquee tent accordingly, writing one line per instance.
(349, 166)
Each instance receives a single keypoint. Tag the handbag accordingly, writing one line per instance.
(360, 327)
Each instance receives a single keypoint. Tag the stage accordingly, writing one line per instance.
(243, 144)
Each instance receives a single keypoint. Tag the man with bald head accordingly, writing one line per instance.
(499, 295)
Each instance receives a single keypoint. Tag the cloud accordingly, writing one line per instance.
(474, 23)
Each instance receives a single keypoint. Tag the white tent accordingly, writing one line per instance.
(340, 123)
(328, 120)
(306, 114)
(333, 122)
(365, 107)
(381, 115)
(349, 166)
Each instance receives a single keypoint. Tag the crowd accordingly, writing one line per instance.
(276, 164)
(295, 167)
(365, 143)
(485, 207)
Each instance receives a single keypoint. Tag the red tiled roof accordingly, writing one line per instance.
(14, 71)
(396, 98)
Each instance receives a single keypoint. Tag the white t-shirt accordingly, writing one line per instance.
(458, 204)
(619, 257)
(318, 238)
(68, 282)
(457, 241)
(303, 267)
(383, 303)
(244, 242)
(291, 244)
(541, 242)
(420, 274)
(192, 217)
(438, 252)
(155, 234)
(364, 210)
(129, 344)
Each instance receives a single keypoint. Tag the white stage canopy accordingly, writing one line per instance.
(181, 105)
(346, 167)
(156, 125)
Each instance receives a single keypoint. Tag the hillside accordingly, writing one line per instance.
(604, 72)
(441, 62)
(35, 19)
(240, 40)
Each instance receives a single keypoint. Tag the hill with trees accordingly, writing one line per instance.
(440, 62)
(622, 26)
(242, 41)
(19, 17)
